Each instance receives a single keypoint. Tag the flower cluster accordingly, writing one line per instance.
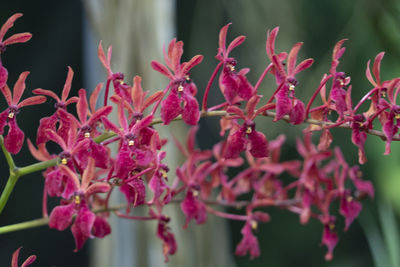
(86, 172)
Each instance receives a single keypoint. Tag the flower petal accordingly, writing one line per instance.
(170, 108)
(61, 217)
(15, 137)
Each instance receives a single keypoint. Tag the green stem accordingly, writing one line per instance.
(45, 221)
(7, 154)
(24, 225)
(12, 180)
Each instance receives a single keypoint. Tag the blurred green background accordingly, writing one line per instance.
(371, 27)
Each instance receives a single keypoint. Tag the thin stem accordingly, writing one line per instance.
(9, 159)
(24, 225)
(227, 215)
(37, 167)
(12, 180)
(276, 91)
(323, 82)
(267, 69)
(364, 98)
(207, 90)
(106, 91)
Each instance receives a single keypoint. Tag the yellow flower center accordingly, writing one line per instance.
(248, 130)
(87, 135)
(77, 200)
(64, 161)
(231, 67)
(131, 143)
(254, 224)
(11, 115)
(291, 87)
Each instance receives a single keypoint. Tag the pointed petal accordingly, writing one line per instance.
(82, 106)
(88, 174)
(292, 57)
(98, 187)
(95, 117)
(8, 24)
(40, 91)
(18, 38)
(157, 66)
(251, 106)
(176, 56)
(5, 90)
(270, 44)
(305, 64)
(105, 61)
(67, 85)
(222, 39)
(235, 43)
(152, 99)
(33, 100)
(191, 63)
(94, 96)
(376, 69)
(14, 261)
(19, 87)
(137, 94)
(29, 261)
(369, 76)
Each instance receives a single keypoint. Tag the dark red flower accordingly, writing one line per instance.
(15, 136)
(13, 39)
(80, 191)
(237, 141)
(329, 239)
(249, 243)
(51, 121)
(181, 99)
(233, 84)
(165, 234)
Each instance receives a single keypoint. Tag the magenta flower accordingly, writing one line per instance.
(181, 99)
(138, 99)
(78, 205)
(237, 141)
(15, 136)
(165, 234)
(329, 239)
(249, 243)
(193, 208)
(131, 152)
(233, 84)
(13, 39)
(120, 88)
(286, 102)
(349, 208)
(28, 261)
(61, 103)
